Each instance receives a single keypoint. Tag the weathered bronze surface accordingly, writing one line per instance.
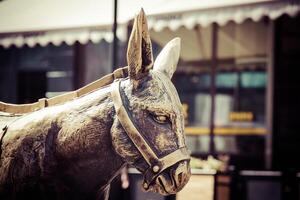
(73, 149)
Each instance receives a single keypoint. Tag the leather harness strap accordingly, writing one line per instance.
(2, 134)
(156, 164)
(129, 127)
(42, 103)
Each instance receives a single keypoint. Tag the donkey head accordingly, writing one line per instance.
(148, 129)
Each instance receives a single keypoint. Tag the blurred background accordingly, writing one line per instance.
(237, 79)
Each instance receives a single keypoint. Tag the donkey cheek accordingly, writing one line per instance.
(162, 141)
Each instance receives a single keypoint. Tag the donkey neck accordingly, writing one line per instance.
(84, 147)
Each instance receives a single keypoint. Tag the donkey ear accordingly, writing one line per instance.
(139, 52)
(168, 58)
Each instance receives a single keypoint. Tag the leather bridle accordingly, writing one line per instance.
(156, 164)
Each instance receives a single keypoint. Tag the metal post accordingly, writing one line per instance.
(114, 61)
(269, 96)
(214, 63)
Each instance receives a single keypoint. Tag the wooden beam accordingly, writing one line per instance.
(213, 89)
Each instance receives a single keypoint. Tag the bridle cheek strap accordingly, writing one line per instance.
(156, 165)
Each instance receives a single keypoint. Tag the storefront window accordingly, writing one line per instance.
(239, 55)
(238, 93)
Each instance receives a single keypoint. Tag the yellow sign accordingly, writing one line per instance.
(241, 116)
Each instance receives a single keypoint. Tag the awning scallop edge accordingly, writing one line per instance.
(222, 16)
(57, 37)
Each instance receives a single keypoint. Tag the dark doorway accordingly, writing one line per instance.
(32, 85)
(286, 137)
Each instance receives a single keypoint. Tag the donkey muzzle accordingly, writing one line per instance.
(171, 180)
(168, 174)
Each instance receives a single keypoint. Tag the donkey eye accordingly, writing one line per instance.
(160, 118)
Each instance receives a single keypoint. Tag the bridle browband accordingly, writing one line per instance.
(156, 164)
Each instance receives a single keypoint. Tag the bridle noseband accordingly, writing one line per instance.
(156, 165)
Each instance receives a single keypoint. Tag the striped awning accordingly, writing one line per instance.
(33, 22)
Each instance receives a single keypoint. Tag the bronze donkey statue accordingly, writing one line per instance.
(73, 149)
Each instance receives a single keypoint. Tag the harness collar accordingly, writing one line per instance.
(156, 164)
